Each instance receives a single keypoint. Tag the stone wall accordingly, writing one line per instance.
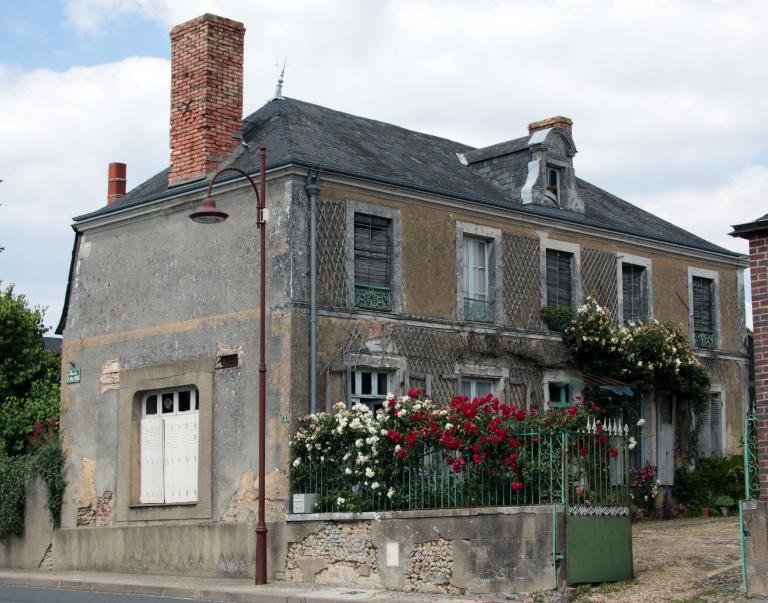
(33, 549)
(455, 551)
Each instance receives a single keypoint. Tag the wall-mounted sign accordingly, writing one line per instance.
(73, 375)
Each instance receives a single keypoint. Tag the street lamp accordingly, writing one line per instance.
(209, 214)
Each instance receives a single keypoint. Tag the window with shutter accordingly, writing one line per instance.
(373, 262)
(703, 318)
(169, 446)
(634, 293)
(710, 427)
(559, 279)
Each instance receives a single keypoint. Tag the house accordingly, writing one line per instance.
(433, 262)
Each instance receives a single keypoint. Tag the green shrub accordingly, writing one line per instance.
(14, 477)
(556, 319)
(48, 462)
(711, 479)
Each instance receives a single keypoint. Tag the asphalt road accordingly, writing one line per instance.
(27, 594)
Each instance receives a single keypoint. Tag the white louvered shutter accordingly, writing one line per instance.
(152, 487)
(181, 458)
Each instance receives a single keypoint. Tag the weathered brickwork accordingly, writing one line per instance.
(758, 264)
(206, 94)
(96, 515)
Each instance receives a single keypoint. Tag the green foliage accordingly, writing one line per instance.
(14, 476)
(556, 319)
(711, 479)
(48, 462)
(29, 374)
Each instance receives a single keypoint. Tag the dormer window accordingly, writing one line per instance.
(552, 191)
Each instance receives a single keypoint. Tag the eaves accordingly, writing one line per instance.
(387, 188)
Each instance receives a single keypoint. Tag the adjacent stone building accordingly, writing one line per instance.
(434, 260)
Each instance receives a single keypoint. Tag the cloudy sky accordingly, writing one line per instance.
(667, 97)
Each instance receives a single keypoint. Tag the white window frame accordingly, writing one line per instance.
(376, 396)
(714, 276)
(494, 276)
(635, 260)
(161, 423)
(575, 250)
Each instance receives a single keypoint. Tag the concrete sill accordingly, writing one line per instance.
(161, 505)
(460, 512)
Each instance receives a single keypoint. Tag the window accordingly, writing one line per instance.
(559, 394)
(711, 427)
(703, 316)
(634, 293)
(169, 446)
(559, 293)
(373, 262)
(478, 305)
(476, 388)
(370, 387)
(552, 190)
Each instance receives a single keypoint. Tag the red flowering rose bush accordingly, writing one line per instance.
(413, 453)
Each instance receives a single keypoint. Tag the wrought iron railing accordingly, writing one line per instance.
(478, 310)
(705, 339)
(373, 297)
(597, 461)
(751, 466)
(587, 470)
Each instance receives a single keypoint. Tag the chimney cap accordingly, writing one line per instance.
(565, 123)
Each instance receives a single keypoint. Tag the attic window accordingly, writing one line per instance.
(552, 191)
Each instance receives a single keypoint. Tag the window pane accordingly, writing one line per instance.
(382, 384)
(168, 402)
(151, 405)
(365, 383)
(466, 388)
(184, 401)
(483, 388)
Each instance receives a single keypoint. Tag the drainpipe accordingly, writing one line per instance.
(312, 187)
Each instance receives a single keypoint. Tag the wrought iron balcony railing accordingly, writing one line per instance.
(478, 310)
(705, 339)
(373, 297)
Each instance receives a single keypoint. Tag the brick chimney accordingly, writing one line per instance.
(553, 122)
(206, 95)
(116, 182)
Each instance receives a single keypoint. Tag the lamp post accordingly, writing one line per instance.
(209, 214)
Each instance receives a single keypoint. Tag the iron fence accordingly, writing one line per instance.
(751, 467)
(587, 470)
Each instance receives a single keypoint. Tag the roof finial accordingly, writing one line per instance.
(279, 88)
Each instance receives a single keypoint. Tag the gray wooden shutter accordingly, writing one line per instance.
(519, 393)
(633, 292)
(702, 305)
(558, 278)
(414, 380)
(715, 420)
(338, 378)
(373, 250)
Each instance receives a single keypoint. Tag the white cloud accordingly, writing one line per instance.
(59, 130)
(666, 96)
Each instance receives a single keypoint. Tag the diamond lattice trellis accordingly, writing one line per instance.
(331, 254)
(598, 269)
(521, 293)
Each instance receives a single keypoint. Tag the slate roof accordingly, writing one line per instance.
(304, 134)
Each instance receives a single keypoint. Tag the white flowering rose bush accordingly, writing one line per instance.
(644, 354)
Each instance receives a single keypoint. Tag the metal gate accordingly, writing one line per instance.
(751, 490)
(597, 518)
